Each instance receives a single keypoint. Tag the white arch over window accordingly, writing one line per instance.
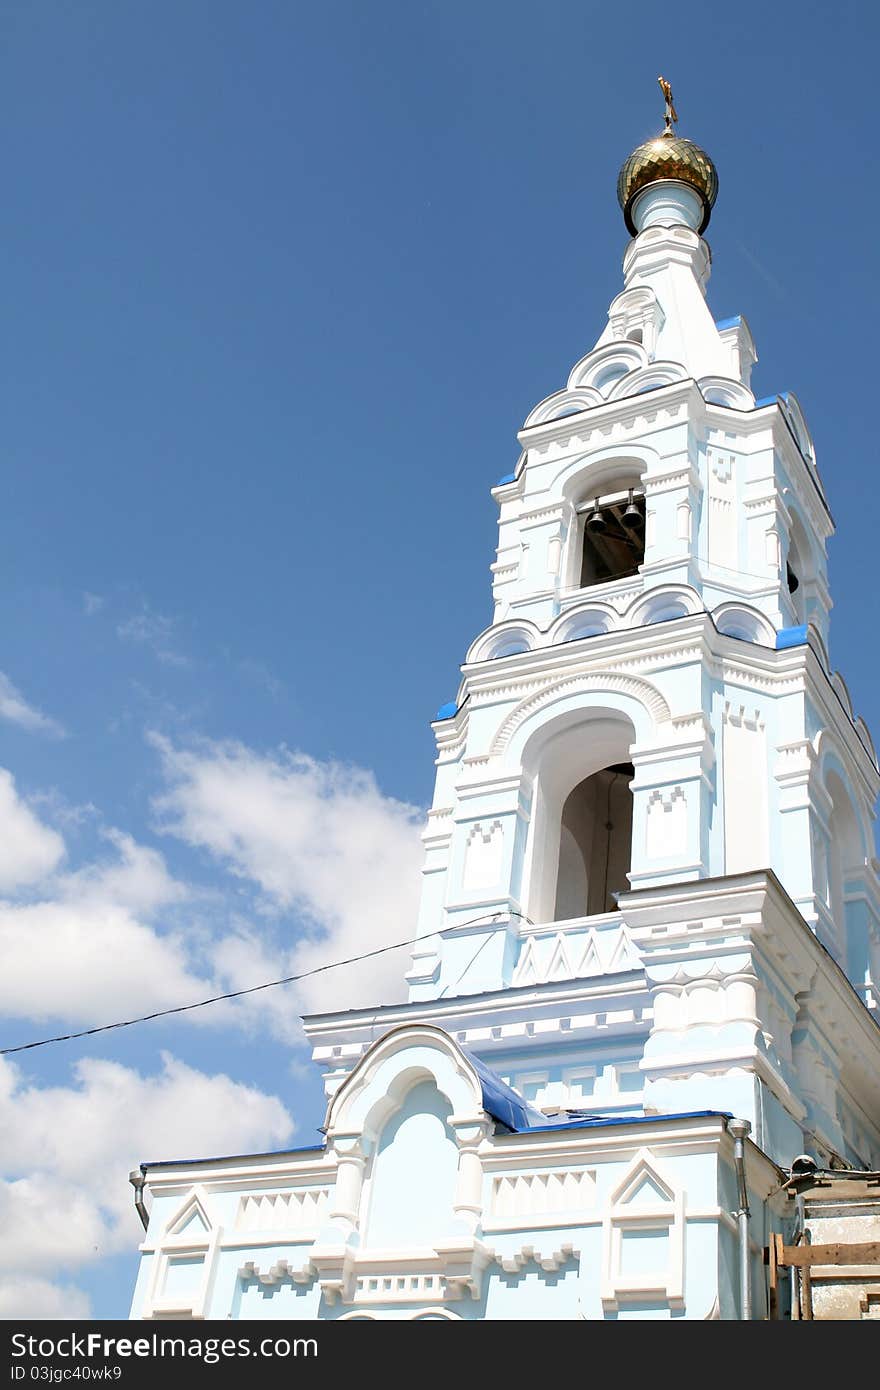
(648, 378)
(601, 471)
(745, 622)
(606, 365)
(587, 620)
(504, 639)
(722, 390)
(562, 403)
(663, 604)
(382, 1078)
(624, 696)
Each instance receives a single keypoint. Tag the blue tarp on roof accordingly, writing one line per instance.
(791, 637)
(507, 1106)
(596, 1121)
(501, 1101)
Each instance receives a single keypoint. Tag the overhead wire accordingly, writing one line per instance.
(255, 989)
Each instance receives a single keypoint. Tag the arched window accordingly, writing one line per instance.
(595, 843)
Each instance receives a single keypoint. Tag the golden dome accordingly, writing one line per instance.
(667, 157)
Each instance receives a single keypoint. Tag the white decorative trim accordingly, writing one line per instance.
(665, 1216)
(647, 695)
(175, 1246)
(277, 1273)
(550, 1263)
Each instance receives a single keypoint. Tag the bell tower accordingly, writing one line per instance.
(651, 720)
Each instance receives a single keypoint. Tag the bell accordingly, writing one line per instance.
(596, 521)
(632, 518)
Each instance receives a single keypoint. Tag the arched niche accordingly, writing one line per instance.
(413, 1171)
(411, 1112)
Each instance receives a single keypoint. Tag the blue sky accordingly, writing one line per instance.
(280, 282)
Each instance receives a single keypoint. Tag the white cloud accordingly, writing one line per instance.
(137, 879)
(45, 1226)
(66, 1151)
(316, 837)
(153, 630)
(82, 951)
(89, 964)
(28, 849)
(15, 708)
(39, 1300)
(92, 604)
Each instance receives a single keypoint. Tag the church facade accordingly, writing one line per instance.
(644, 972)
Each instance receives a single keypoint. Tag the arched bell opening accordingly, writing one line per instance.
(613, 537)
(595, 843)
(580, 837)
(799, 569)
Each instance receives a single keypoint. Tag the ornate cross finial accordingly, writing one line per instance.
(671, 113)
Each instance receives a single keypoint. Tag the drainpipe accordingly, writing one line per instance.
(137, 1180)
(739, 1130)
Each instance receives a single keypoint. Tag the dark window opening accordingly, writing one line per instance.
(595, 845)
(614, 540)
(791, 579)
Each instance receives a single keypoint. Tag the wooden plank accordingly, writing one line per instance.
(807, 1292)
(773, 1279)
(803, 1256)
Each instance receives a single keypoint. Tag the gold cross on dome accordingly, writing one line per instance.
(671, 113)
